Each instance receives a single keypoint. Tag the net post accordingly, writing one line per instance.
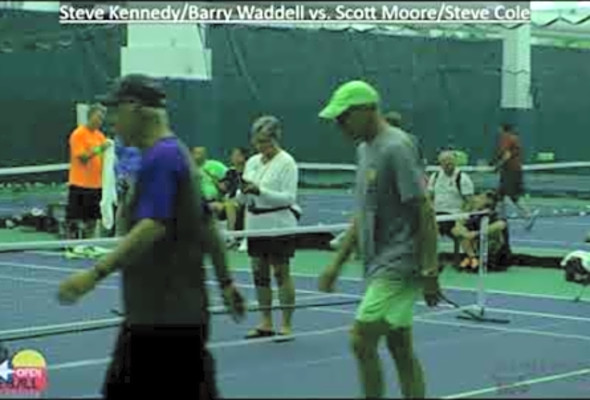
(482, 273)
(483, 263)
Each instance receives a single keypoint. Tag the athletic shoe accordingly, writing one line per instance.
(243, 246)
(77, 252)
(465, 263)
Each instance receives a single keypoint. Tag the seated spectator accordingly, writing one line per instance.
(468, 233)
(211, 173)
(450, 189)
(229, 208)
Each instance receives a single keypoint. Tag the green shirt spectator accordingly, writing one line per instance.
(211, 172)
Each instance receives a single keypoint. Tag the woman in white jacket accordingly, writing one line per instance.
(269, 192)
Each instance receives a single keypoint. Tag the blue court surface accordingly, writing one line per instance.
(543, 352)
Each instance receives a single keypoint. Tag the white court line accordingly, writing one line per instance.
(538, 314)
(303, 275)
(243, 342)
(420, 318)
(215, 345)
(528, 382)
(49, 253)
(333, 295)
(250, 286)
(221, 307)
(457, 288)
(91, 323)
(423, 344)
(60, 327)
(49, 281)
(555, 242)
(556, 221)
(38, 267)
(231, 343)
(79, 364)
(507, 330)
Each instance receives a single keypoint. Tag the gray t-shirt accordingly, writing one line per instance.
(166, 285)
(389, 176)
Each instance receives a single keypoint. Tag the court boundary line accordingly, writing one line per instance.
(334, 294)
(49, 281)
(348, 356)
(315, 292)
(101, 321)
(307, 275)
(528, 382)
(39, 267)
(507, 330)
(421, 318)
(544, 379)
(244, 342)
(444, 305)
(241, 342)
(539, 314)
(304, 275)
(214, 345)
(457, 288)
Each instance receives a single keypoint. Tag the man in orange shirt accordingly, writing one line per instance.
(511, 177)
(87, 144)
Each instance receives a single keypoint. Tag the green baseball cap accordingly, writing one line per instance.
(353, 93)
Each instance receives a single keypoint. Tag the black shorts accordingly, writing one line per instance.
(276, 247)
(511, 184)
(145, 357)
(240, 218)
(83, 204)
(445, 228)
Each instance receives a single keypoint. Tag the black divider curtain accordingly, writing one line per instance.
(561, 116)
(44, 74)
(448, 91)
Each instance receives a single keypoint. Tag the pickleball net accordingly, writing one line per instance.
(555, 189)
(31, 277)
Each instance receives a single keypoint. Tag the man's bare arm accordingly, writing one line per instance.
(215, 247)
(427, 236)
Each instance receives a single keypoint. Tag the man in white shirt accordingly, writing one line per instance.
(451, 190)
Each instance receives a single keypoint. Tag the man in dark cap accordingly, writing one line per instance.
(167, 232)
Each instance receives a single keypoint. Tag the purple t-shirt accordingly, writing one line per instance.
(166, 284)
(162, 168)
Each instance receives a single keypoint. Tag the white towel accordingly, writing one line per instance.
(109, 187)
(584, 257)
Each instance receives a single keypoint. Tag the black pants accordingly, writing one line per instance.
(148, 359)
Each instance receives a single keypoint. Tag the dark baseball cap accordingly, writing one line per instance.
(135, 87)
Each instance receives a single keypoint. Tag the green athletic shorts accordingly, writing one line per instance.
(390, 301)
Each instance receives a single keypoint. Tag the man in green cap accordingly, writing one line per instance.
(395, 228)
